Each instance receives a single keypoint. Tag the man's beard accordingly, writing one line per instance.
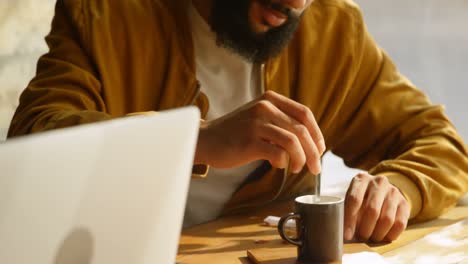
(230, 22)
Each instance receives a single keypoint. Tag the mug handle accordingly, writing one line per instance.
(284, 220)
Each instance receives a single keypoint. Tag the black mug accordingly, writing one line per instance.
(319, 225)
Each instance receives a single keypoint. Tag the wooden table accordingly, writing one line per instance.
(227, 240)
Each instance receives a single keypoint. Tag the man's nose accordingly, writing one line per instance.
(294, 4)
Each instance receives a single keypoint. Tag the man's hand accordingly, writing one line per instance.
(272, 127)
(374, 209)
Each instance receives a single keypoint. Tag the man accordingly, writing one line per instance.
(277, 81)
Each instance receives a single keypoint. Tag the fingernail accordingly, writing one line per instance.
(349, 233)
(319, 167)
(322, 146)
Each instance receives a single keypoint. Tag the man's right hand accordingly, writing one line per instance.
(272, 127)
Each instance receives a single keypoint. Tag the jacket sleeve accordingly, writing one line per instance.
(65, 90)
(390, 128)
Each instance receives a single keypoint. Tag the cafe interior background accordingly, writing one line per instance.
(428, 40)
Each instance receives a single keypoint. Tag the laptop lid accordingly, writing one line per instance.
(110, 192)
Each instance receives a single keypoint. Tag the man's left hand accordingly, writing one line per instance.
(374, 209)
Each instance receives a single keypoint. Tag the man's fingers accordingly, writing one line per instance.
(401, 221)
(310, 149)
(277, 156)
(287, 141)
(376, 193)
(387, 216)
(301, 113)
(354, 199)
(308, 145)
(374, 209)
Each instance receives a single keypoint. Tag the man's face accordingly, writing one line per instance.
(256, 29)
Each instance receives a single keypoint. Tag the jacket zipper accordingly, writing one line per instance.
(262, 78)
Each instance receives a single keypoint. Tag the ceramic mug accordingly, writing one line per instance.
(319, 225)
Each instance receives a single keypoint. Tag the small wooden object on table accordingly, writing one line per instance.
(288, 254)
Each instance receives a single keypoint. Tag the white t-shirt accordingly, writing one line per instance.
(229, 82)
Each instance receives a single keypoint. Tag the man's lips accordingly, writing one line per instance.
(273, 17)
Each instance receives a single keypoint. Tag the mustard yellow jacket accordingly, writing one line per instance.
(109, 58)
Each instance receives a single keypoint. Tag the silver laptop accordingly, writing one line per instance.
(107, 193)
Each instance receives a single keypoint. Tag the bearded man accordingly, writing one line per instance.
(278, 83)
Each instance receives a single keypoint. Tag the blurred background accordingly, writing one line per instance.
(427, 39)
